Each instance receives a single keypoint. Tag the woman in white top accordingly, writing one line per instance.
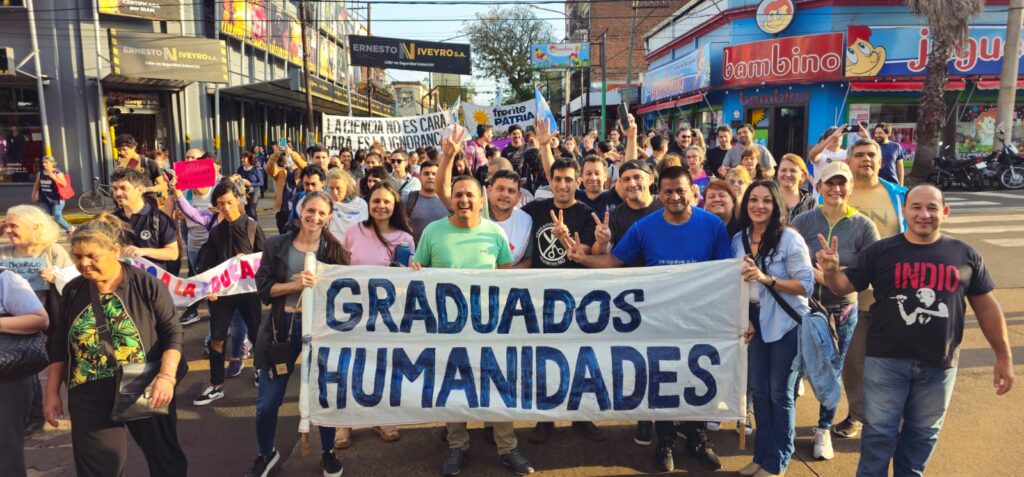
(349, 208)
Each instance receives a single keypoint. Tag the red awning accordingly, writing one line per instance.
(685, 100)
(994, 84)
(951, 85)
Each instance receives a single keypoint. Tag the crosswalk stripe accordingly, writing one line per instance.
(994, 229)
(955, 199)
(1013, 242)
(1001, 195)
(971, 219)
(972, 203)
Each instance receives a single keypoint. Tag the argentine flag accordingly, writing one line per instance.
(543, 111)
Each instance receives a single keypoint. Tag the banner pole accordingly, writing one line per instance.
(308, 306)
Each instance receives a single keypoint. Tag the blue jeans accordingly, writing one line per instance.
(772, 384)
(907, 390)
(845, 319)
(57, 211)
(271, 394)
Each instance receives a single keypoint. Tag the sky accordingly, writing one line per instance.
(435, 23)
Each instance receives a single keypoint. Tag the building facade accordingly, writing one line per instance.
(793, 68)
(222, 76)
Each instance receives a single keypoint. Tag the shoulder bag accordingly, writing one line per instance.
(22, 355)
(134, 380)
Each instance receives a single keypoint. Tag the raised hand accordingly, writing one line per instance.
(453, 143)
(573, 249)
(542, 128)
(558, 228)
(629, 129)
(602, 233)
(828, 256)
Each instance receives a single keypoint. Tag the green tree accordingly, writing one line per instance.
(948, 22)
(501, 40)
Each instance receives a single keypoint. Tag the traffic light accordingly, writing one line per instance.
(113, 116)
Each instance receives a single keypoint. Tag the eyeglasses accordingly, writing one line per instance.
(737, 182)
(397, 161)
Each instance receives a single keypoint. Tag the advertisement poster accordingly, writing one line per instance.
(168, 57)
(903, 51)
(280, 30)
(381, 52)
(233, 18)
(560, 56)
(808, 57)
(295, 52)
(169, 10)
(256, 24)
(689, 73)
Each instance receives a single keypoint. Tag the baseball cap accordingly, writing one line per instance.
(836, 168)
(637, 164)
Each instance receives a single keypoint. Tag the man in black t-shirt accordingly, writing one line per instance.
(716, 155)
(153, 234)
(515, 148)
(636, 178)
(920, 280)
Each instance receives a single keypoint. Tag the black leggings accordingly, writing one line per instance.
(221, 313)
(101, 445)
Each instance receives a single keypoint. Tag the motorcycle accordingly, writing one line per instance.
(952, 172)
(1005, 167)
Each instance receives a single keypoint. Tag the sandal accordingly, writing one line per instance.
(342, 438)
(388, 433)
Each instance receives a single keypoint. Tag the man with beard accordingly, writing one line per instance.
(153, 233)
(683, 140)
(552, 220)
(716, 155)
(892, 154)
(515, 148)
(681, 233)
(594, 193)
(503, 197)
(745, 134)
(424, 206)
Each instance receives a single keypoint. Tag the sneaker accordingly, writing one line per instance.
(823, 444)
(188, 319)
(517, 462)
(262, 465)
(330, 464)
(209, 395)
(704, 451)
(663, 456)
(234, 368)
(454, 461)
(256, 378)
(541, 432)
(590, 431)
(800, 389)
(644, 433)
(847, 429)
(246, 349)
(714, 426)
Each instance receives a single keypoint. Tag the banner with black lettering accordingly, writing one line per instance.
(393, 133)
(395, 346)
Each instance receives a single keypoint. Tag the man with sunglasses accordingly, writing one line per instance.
(405, 183)
(683, 140)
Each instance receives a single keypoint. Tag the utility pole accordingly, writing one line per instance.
(629, 57)
(369, 71)
(604, 86)
(303, 17)
(1008, 78)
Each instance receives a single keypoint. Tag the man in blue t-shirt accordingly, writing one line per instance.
(681, 233)
(892, 154)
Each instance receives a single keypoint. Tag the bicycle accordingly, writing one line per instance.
(99, 199)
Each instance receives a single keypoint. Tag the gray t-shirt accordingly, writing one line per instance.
(296, 264)
(16, 296)
(732, 158)
(425, 210)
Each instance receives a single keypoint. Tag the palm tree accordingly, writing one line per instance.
(947, 23)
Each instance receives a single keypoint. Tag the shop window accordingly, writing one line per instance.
(976, 127)
(902, 117)
(21, 138)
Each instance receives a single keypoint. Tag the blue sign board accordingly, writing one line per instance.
(688, 73)
(559, 56)
(903, 51)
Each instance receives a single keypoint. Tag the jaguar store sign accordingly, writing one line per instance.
(168, 57)
(380, 52)
(808, 57)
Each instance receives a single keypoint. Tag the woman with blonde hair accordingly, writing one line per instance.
(349, 207)
(670, 160)
(44, 191)
(791, 175)
(738, 179)
(114, 306)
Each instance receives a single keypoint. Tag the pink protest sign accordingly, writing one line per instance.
(195, 174)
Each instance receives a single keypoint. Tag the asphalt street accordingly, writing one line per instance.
(981, 435)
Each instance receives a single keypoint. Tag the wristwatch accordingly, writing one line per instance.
(772, 283)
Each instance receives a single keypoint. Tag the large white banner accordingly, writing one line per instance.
(501, 117)
(395, 346)
(406, 133)
(234, 276)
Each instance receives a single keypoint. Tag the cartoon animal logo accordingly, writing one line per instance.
(540, 55)
(862, 58)
(773, 16)
(985, 125)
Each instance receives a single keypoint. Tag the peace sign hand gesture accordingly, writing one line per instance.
(558, 228)
(602, 233)
(453, 143)
(828, 256)
(573, 249)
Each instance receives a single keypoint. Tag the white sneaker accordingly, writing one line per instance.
(714, 426)
(823, 444)
(800, 388)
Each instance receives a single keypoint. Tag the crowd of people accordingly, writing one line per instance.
(837, 234)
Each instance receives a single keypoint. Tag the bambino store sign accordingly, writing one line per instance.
(817, 57)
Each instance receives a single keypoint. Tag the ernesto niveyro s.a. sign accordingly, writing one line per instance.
(168, 57)
(380, 52)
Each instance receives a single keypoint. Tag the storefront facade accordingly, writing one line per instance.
(797, 71)
(164, 73)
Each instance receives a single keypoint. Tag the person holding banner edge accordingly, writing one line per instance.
(441, 245)
(281, 279)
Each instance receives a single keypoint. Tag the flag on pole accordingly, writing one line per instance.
(498, 96)
(543, 110)
(454, 110)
